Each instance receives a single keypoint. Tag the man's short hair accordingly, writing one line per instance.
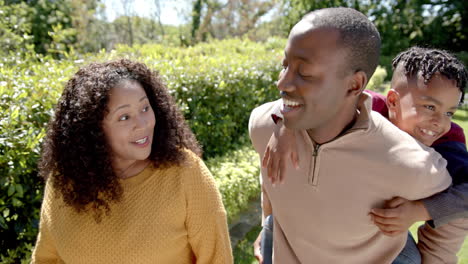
(432, 61)
(357, 34)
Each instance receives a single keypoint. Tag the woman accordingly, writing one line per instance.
(125, 183)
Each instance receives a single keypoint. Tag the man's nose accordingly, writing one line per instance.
(286, 81)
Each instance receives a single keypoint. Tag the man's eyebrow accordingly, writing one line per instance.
(127, 105)
(303, 58)
(432, 99)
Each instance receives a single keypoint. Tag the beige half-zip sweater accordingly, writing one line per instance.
(321, 212)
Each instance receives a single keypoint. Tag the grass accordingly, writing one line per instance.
(461, 118)
(462, 254)
(243, 252)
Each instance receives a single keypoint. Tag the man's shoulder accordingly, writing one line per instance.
(261, 124)
(261, 115)
(395, 142)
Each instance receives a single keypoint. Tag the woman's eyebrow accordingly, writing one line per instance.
(127, 105)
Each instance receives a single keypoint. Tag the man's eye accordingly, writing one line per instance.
(430, 107)
(307, 76)
(124, 117)
(284, 64)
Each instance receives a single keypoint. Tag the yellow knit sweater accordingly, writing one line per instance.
(172, 215)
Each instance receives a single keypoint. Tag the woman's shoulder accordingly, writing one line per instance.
(191, 159)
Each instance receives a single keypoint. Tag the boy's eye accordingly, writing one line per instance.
(450, 114)
(430, 107)
(124, 117)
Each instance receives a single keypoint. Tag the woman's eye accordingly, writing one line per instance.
(146, 109)
(430, 107)
(124, 117)
(450, 114)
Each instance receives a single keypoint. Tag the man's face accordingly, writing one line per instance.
(426, 110)
(313, 82)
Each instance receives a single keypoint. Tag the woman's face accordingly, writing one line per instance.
(129, 123)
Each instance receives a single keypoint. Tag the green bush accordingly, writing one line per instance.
(29, 86)
(463, 56)
(237, 177)
(378, 78)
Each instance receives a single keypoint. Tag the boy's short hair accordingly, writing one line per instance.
(432, 61)
(358, 36)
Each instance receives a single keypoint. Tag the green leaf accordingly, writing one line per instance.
(3, 223)
(11, 190)
(6, 212)
(16, 202)
(19, 190)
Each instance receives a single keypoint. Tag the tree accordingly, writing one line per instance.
(128, 12)
(211, 18)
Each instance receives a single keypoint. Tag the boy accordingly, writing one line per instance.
(427, 86)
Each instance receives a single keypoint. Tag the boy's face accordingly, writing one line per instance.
(425, 110)
(312, 80)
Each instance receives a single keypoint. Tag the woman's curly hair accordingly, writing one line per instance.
(76, 155)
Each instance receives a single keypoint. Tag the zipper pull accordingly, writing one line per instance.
(316, 148)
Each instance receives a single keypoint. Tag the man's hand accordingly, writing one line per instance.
(282, 145)
(256, 246)
(399, 214)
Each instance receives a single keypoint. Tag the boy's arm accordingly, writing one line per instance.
(453, 202)
(282, 146)
(438, 209)
(261, 126)
(441, 245)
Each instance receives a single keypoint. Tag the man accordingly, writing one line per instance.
(351, 159)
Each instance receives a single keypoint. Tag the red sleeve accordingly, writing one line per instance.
(455, 133)
(379, 103)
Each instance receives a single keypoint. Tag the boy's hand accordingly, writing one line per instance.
(256, 246)
(282, 145)
(399, 214)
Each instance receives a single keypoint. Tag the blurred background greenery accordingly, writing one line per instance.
(219, 59)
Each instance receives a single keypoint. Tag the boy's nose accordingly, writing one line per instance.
(438, 119)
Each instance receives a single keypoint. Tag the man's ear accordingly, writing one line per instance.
(393, 100)
(358, 83)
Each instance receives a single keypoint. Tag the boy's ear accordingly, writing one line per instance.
(358, 83)
(393, 100)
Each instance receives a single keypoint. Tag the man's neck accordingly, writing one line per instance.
(333, 130)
